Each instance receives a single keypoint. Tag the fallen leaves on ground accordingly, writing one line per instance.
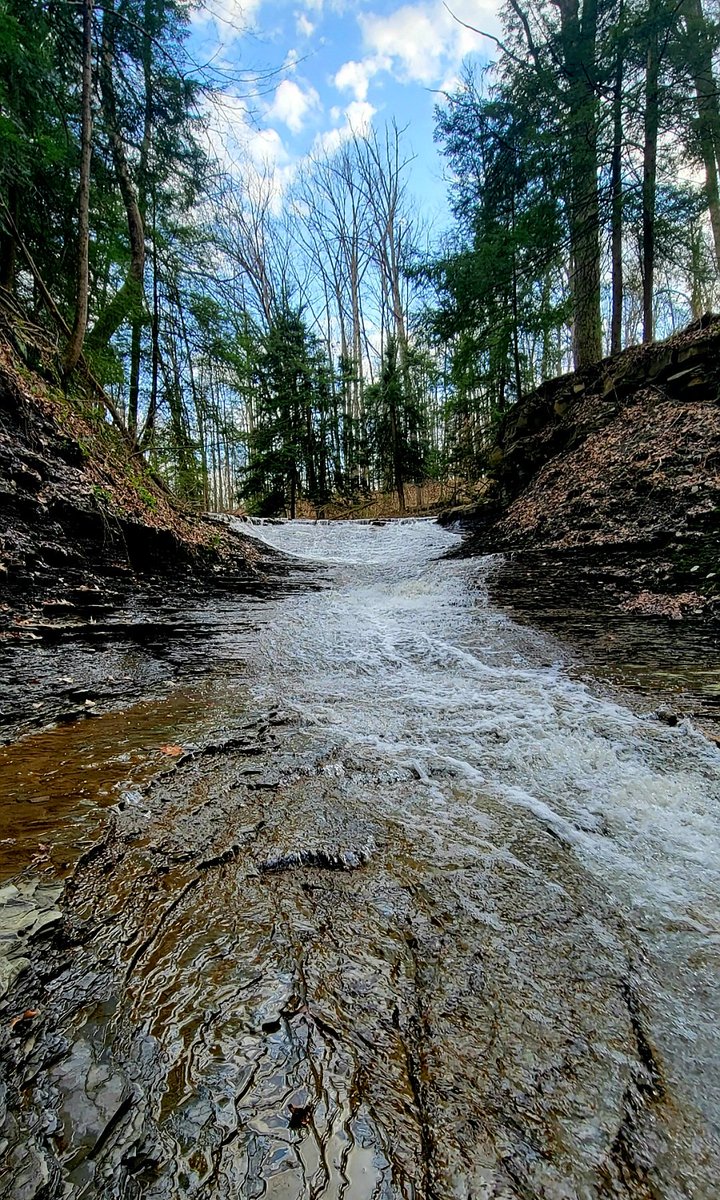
(651, 604)
(25, 1016)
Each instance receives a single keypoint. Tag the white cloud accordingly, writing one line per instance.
(266, 148)
(304, 25)
(291, 105)
(234, 141)
(231, 17)
(359, 115)
(357, 121)
(423, 43)
(355, 77)
(451, 84)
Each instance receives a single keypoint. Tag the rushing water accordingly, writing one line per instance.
(402, 657)
(451, 929)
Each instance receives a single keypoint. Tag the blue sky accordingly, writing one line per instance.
(341, 64)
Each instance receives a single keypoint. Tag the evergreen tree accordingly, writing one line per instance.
(289, 444)
(397, 425)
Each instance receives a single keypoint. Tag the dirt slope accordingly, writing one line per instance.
(612, 475)
(81, 519)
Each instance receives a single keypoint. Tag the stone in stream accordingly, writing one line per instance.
(327, 860)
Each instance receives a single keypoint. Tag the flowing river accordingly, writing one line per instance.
(442, 921)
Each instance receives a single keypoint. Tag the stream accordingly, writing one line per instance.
(403, 908)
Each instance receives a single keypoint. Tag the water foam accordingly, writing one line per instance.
(402, 657)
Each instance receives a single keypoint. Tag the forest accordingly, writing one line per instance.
(264, 344)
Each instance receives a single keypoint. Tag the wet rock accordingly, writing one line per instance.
(94, 1096)
(26, 909)
(324, 860)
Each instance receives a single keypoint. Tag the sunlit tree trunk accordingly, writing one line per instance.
(699, 53)
(616, 190)
(578, 38)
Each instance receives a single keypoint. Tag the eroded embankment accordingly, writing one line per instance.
(605, 484)
(84, 525)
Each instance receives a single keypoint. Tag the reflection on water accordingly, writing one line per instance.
(55, 783)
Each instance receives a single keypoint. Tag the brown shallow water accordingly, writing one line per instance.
(57, 782)
(418, 914)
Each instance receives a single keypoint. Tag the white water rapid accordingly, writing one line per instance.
(586, 828)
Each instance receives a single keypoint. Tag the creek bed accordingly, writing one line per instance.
(416, 912)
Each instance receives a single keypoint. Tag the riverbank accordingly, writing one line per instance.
(85, 527)
(604, 486)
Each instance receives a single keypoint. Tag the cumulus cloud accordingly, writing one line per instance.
(292, 105)
(359, 115)
(304, 25)
(234, 140)
(423, 43)
(266, 148)
(355, 77)
(356, 121)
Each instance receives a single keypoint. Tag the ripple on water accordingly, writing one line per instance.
(404, 655)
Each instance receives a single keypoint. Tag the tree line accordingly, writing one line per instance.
(261, 345)
(584, 188)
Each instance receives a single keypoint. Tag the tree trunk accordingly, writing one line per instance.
(149, 427)
(77, 337)
(8, 245)
(134, 383)
(515, 316)
(616, 194)
(650, 175)
(129, 300)
(697, 305)
(397, 462)
(699, 54)
(578, 44)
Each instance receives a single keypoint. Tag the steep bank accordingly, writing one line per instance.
(605, 485)
(82, 520)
